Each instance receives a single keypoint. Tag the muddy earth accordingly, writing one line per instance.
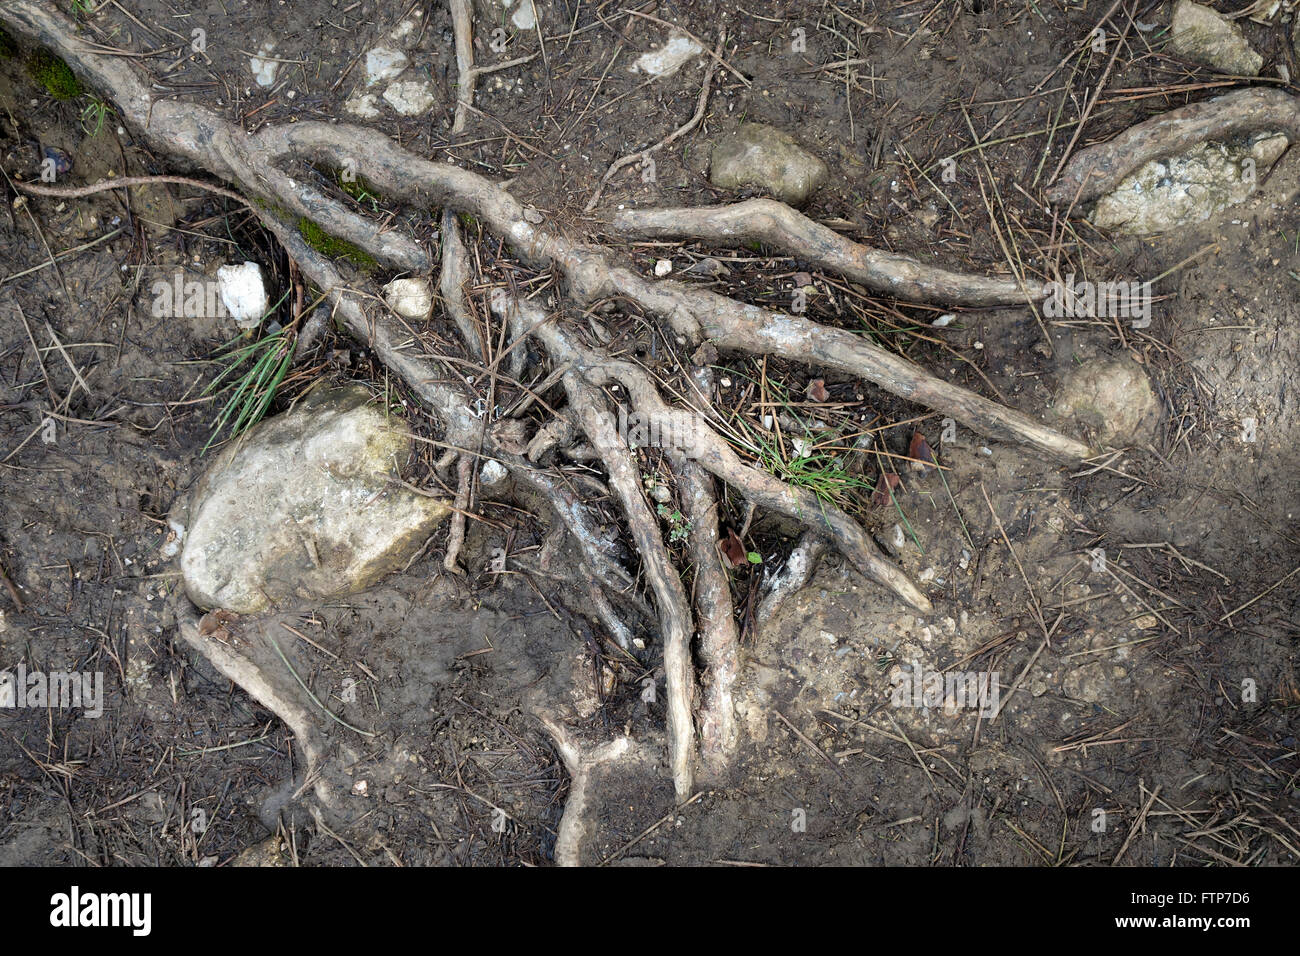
(1133, 621)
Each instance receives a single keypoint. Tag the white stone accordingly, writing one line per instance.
(175, 540)
(404, 31)
(410, 298)
(1112, 397)
(305, 507)
(384, 64)
(363, 104)
(1200, 34)
(493, 473)
(669, 58)
(243, 293)
(264, 68)
(525, 15)
(663, 267)
(409, 97)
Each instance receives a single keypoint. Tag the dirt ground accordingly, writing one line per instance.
(1127, 731)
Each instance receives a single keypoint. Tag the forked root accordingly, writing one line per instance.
(576, 826)
(588, 405)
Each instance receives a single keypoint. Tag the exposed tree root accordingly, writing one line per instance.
(463, 431)
(1098, 169)
(467, 73)
(576, 827)
(711, 452)
(618, 630)
(456, 533)
(645, 155)
(263, 166)
(127, 182)
(451, 283)
(777, 225)
(796, 574)
(462, 30)
(694, 313)
(588, 404)
(719, 642)
(240, 653)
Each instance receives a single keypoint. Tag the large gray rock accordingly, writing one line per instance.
(755, 156)
(1189, 188)
(1111, 397)
(304, 508)
(1201, 35)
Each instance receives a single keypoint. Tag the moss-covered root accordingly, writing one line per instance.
(336, 248)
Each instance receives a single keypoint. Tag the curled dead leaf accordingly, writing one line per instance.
(922, 457)
(885, 486)
(733, 549)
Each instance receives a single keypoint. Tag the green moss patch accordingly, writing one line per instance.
(53, 74)
(336, 248)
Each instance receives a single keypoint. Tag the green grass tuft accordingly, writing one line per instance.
(93, 116)
(362, 190)
(254, 370)
(818, 471)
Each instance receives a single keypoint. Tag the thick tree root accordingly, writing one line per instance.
(464, 432)
(1097, 170)
(777, 225)
(588, 405)
(203, 137)
(451, 283)
(719, 638)
(708, 453)
(694, 313)
(456, 533)
(711, 452)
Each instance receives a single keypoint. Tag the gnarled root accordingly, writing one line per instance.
(674, 611)
(719, 640)
(714, 455)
